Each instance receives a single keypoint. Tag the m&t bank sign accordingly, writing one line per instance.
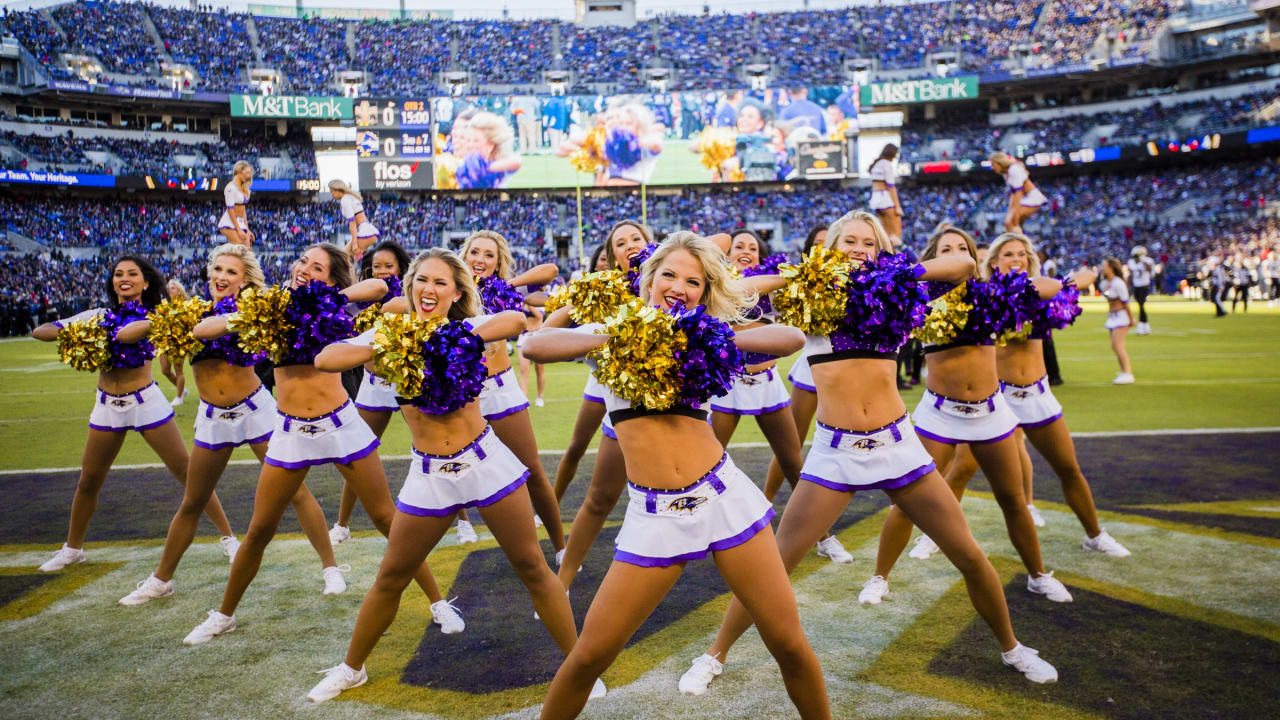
(920, 91)
(291, 106)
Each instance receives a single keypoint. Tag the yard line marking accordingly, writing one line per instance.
(735, 446)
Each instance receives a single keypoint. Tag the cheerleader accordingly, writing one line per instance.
(962, 403)
(171, 368)
(1024, 197)
(1119, 316)
(376, 399)
(504, 406)
(884, 193)
(315, 424)
(483, 148)
(626, 242)
(590, 412)
(235, 409)
(759, 391)
(234, 223)
(363, 233)
(688, 499)
(1025, 384)
(458, 462)
(128, 399)
(633, 141)
(865, 441)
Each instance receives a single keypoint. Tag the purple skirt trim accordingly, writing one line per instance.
(143, 428)
(890, 484)
(1042, 423)
(408, 509)
(802, 386)
(324, 461)
(608, 432)
(508, 411)
(952, 441)
(717, 546)
(378, 408)
(592, 398)
(222, 446)
(761, 411)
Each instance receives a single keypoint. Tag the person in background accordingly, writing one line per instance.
(1119, 316)
(1141, 271)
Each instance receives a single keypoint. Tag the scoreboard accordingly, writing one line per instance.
(393, 143)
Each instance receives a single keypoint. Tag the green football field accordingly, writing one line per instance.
(1183, 466)
(676, 166)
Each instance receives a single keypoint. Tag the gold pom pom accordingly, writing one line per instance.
(813, 299)
(261, 321)
(173, 324)
(397, 350)
(84, 346)
(367, 317)
(947, 317)
(446, 172)
(556, 300)
(590, 157)
(716, 144)
(639, 361)
(1017, 335)
(595, 297)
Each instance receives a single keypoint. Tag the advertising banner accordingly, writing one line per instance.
(821, 159)
(921, 91)
(299, 107)
(38, 177)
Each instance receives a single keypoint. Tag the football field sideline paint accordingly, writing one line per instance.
(733, 446)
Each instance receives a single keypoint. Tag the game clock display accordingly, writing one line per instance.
(393, 144)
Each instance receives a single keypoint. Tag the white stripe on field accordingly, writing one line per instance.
(735, 446)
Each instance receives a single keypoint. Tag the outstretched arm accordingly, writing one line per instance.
(775, 340)
(504, 325)
(340, 356)
(211, 328)
(366, 290)
(540, 275)
(133, 332)
(552, 344)
(953, 269)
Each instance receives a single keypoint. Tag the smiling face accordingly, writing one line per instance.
(385, 265)
(482, 256)
(750, 120)
(468, 139)
(434, 288)
(1013, 257)
(857, 241)
(680, 280)
(245, 174)
(602, 263)
(952, 244)
(745, 251)
(127, 281)
(627, 241)
(226, 277)
(313, 265)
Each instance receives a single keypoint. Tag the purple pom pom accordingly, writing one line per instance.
(455, 370)
(126, 355)
(636, 265)
(1058, 312)
(768, 266)
(474, 173)
(316, 313)
(394, 290)
(622, 148)
(227, 347)
(710, 360)
(885, 304)
(497, 295)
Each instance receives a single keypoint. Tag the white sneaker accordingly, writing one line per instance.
(230, 546)
(1036, 517)
(334, 583)
(830, 547)
(1028, 662)
(336, 679)
(64, 557)
(466, 533)
(178, 400)
(924, 549)
(445, 614)
(537, 521)
(873, 590)
(1050, 587)
(598, 690)
(339, 534)
(1105, 544)
(217, 624)
(560, 557)
(566, 594)
(539, 403)
(698, 677)
(1123, 379)
(148, 590)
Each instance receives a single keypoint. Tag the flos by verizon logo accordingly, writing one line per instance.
(291, 106)
(918, 91)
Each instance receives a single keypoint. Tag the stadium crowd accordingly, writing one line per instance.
(708, 48)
